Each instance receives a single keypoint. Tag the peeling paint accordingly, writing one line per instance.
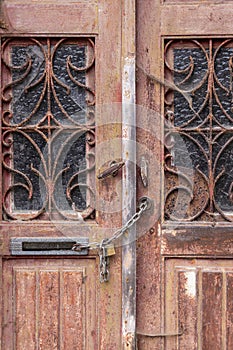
(128, 175)
(128, 83)
(128, 260)
(190, 284)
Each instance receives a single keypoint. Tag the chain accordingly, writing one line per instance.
(144, 204)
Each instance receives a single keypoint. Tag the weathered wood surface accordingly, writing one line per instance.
(129, 175)
(198, 241)
(192, 293)
(66, 306)
(56, 18)
(198, 293)
(49, 303)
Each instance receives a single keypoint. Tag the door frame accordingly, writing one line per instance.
(129, 173)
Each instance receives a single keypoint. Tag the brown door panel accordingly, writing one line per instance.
(198, 292)
(49, 303)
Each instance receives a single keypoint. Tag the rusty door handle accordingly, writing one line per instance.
(112, 170)
(144, 171)
(161, 335)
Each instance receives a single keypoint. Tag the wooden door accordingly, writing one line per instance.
(185, 264)
(61, 61)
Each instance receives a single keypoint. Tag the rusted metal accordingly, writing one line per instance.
(3, 24)
(112, 170)
(190, 242)
(205, 189)
(129, 175)
(161, 335)
(144, 171)
(48, 127)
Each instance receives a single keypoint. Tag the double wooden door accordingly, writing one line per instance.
(68, 114)
(184, 55)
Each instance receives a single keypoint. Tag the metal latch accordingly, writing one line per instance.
(144, 171)
(48, 246)
(112, 170)
(161, 335)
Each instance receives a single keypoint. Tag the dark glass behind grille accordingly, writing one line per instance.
(48, 124)
(181, 106)
(202, 132)
(74, 102)
(26, 159)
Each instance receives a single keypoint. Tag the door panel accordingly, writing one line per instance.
(188, 242)
(184, 81)
(199, 293)
(181, 19)
(49, 303)
(20, 15)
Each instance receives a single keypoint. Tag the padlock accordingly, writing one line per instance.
(109, 250)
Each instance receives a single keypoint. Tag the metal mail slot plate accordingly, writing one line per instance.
(47, 246)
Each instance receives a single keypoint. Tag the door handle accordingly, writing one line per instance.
(116, 166)
(112, 170)
(144, 171)
(162, 335)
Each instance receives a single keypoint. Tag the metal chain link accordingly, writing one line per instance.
(143, 206)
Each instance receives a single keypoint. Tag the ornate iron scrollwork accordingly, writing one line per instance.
(48, 128)
(199, 130)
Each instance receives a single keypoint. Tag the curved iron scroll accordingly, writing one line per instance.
(199, 130)
(48, 128)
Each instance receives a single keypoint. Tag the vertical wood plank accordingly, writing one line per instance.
(187, 309)
(199, 309)
(1, 300)
(171, 307)
(229, 302)
(72, 318)
(7, 308)
(224, 311)
(25, 296)
(150, 312)
(212, 320)
(108, 134)
(48, 310)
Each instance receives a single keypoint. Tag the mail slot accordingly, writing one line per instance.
(29, 246)
(47, 246)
